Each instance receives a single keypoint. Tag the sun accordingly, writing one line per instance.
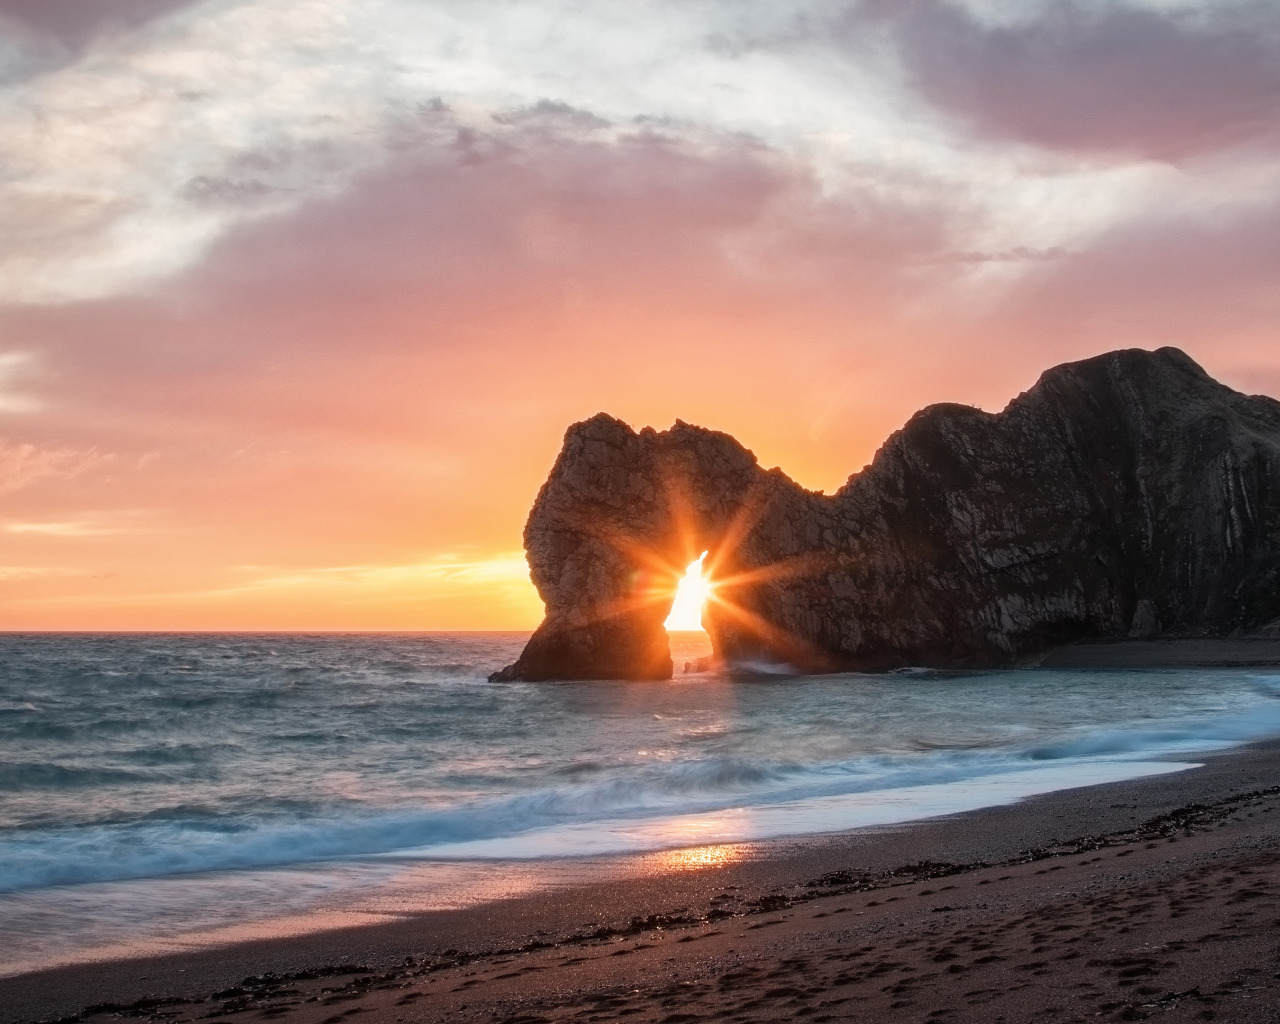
(691, 595)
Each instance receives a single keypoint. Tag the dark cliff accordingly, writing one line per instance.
(1129, 493)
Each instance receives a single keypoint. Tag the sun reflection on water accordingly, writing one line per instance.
(697, 841)
(696, 858)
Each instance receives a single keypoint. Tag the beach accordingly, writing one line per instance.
(544, 512)
(1154, 897)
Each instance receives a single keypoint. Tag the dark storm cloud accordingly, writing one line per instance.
(1104, 81)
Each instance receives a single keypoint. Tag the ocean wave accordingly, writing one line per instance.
(1167, 737)
(17, 776)
(293, 750)
(168, 844)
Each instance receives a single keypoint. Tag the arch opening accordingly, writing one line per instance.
(692, 594)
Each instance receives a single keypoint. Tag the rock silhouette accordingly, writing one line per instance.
(1127, 494)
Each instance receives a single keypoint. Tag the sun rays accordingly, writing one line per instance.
(672, 586)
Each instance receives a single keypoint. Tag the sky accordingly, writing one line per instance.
(297, 297)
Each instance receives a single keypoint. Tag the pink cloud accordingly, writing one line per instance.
(386, 374)
(1102, 80)
(74, 22)
(22, 465)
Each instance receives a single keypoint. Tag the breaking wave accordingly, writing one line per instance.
(147, 757)
(175, 840)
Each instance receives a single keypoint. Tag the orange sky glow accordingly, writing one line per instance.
(297, 299)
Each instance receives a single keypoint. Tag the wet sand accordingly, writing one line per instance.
(1157, 897)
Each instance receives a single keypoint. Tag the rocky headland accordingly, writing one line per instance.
(1125, 495)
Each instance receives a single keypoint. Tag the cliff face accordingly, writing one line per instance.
(1129, 493)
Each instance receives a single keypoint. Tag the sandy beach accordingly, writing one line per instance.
(1156, 898)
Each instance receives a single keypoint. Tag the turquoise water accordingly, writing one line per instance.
(157, 786)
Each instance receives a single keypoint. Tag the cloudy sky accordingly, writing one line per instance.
(297, 297)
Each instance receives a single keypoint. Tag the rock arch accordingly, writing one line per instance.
(1131, 480)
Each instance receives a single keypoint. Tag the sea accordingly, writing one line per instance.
(161, 792)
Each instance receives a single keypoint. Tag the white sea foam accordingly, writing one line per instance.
(798, 817)
(767, 798)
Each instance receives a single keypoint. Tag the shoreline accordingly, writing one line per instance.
(675, 895)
